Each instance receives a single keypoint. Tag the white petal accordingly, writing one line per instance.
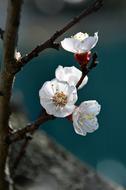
(90, 125)
(59, 86)
(63, 112)
(88, 43)
(69, 44)
(71, 75)
(79, 130)
(50, 108)
(77, 127)
(47, 90)
(60, 74)
(72, 95)
(68, 109)
(91, 107)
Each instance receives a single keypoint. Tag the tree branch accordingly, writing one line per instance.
(50, 43)
(30, 128)
(6, 80)
(1, 33)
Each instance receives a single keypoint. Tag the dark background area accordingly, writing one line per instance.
(104, 149)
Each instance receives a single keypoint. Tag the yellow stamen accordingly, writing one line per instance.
(80, 36)
(59, 99)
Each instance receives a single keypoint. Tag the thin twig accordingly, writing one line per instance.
(50, 43)
(22, 133)
(1, 33)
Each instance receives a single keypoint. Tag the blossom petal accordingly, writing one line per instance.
(64, 111)
(79, 130)
(89, 43)
(69, 108)
(56, 86)
(47, 90)
(71, 75)
(77, 127)
(60, 74)
(90, 107)
(90, 125)
(72, 95)
(49, 107)
(69, 44)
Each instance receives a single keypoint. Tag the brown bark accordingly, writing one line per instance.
(6, 80)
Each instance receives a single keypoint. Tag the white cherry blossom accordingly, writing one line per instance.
(80, 43)
(84, 117)
(71, 75)
(58, 98)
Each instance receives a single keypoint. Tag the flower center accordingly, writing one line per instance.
(59, 99)
(84, 117)
(81, 36)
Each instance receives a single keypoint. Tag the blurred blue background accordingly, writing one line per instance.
(104, 149)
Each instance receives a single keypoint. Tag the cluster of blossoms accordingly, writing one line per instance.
(58, 96)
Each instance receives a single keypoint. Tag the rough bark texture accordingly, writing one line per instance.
(6, 80)
(48, 166)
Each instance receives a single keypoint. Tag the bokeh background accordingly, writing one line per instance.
(105, 150)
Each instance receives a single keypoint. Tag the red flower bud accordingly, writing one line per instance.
(83, 58)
